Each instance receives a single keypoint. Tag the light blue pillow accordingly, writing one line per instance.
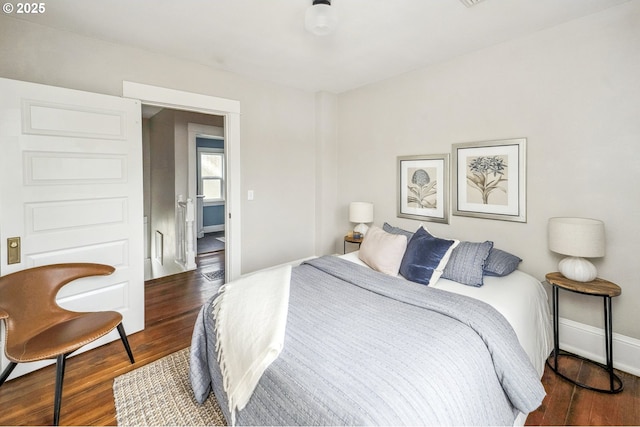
(500, 263)
(467, 261)
(397, 230)
(425, 257)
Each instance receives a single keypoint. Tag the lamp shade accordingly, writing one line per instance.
(361, 212)
(577, 237)
(320, 18)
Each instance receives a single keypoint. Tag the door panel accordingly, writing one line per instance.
(71, 189)
(52, 118)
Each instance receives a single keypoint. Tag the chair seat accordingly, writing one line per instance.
(64, 337)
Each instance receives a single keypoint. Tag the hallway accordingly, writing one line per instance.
(211, 242)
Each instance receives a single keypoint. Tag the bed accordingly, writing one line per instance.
(362, 347)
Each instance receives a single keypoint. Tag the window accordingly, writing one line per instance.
(211, 174)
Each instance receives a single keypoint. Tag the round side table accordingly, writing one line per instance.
(350, 239)
(597, 287)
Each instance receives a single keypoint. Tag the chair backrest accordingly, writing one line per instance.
(28, 297)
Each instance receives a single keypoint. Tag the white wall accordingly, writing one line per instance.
(277, 139)
(162, 186)
(573, 91)
(328, 217)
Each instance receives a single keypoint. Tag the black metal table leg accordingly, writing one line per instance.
(615, 383)
(556, 331)
(609, 341)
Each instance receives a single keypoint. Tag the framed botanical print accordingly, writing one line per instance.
(423, 187)
(489, 179)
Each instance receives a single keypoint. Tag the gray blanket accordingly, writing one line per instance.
(363, 348)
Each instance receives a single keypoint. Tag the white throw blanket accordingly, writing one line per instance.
(250, 319)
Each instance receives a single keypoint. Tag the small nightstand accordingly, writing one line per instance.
(350, 239)
(597, 287)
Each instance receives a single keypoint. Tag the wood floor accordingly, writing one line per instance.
(172, 304)
(568, 404)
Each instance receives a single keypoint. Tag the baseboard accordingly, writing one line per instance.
(588, 341)
(212, 228)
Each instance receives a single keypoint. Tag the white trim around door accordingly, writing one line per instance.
(230, 110)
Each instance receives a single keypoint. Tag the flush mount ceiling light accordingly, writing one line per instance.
(320, 19)
(470, 3)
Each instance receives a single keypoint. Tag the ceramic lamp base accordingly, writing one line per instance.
(361, 228)
(578, 269)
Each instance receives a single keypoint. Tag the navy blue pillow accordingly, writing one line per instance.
(422, 258)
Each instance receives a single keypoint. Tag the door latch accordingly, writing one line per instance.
(13, 250)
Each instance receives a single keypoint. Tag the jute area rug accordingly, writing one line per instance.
(160, 394)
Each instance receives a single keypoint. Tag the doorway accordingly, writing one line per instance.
(168, 137)
(211, 193)
(229, 111)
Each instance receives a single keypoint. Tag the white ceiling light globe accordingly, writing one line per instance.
(320, 19)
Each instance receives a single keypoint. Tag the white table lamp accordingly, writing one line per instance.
(361, 213)
(579, 238)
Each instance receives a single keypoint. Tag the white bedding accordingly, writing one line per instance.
(520, 298)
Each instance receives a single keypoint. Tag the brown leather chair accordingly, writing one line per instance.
(37, 328)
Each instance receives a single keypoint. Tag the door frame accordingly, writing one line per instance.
(195, 130)
(230, 110)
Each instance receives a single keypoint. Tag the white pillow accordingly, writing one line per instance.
(383, 251)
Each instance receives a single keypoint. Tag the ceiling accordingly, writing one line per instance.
(266, 40)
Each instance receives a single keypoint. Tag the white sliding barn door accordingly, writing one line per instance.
(71, 191)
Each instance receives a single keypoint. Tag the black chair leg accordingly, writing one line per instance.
(61, 361)
(125, 341)
(7, 371)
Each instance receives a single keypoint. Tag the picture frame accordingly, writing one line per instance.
(423, 187)
(489, 179)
